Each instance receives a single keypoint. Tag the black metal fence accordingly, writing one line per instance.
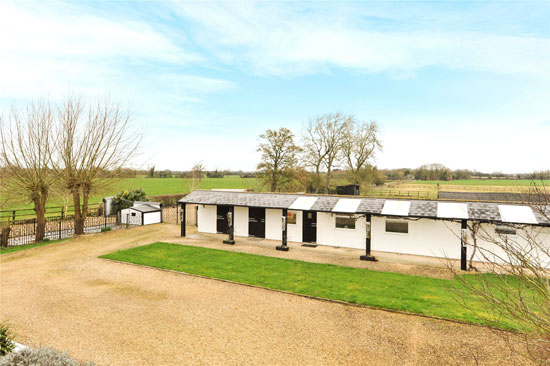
(24, 231)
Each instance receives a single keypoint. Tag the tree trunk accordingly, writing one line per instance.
(327, 184)
(40, 212)
(78, 221)
(5, 236)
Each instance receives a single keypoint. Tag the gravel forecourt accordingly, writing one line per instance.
(64, 296)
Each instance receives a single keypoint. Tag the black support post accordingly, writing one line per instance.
(230, 226)
(368, 256)
(463, 251)
(284, 236)
(183, 219)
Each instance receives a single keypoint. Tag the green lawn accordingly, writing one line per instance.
(28, 246)
(422, 295)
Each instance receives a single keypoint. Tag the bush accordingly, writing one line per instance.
(46, 239)
(6, 344)
(168, 199)
(104, 229)
(124, 199)
(40, 357)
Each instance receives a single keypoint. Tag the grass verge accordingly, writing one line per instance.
(387, 290)
(17, 248)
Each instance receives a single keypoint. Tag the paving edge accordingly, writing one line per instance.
(394, 311)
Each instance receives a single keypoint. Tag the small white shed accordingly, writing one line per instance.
(142, 213)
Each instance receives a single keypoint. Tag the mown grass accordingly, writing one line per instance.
(6, 250)
(387, 290)
(155, 187)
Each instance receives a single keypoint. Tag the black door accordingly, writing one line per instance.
(309, 232)
(221, 219)
(256, 222)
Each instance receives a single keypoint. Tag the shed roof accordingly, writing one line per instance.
(487, 212)
(145, 208)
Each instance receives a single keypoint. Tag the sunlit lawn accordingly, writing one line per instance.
(422, 295)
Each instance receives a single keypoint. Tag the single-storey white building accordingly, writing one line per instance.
(142, 213)
(418, 227)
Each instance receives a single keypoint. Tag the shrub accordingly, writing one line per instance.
(6, 344)
(40, 357)
(124, 198)
(46, 239)
(168, 199)
(104, 229)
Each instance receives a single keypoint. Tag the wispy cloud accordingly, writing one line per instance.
(283, 39)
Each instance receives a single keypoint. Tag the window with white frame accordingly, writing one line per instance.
(291, 217)
(397, 226)
(505, 229)
(345, 222)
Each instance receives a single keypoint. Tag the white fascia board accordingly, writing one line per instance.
(347, 205)
(517, 214)
(396, 208)
(452, 210)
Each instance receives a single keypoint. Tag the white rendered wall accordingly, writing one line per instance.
(273, 228)
(329, 234)
(295, 230)
(434, 238)
(491, 252)
(207, 219)
(241, 221)
(151, 218)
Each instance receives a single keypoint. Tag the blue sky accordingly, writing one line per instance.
(465, 84)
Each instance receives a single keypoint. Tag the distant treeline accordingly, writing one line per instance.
(424, 172)
(167, 173)
(441, 172)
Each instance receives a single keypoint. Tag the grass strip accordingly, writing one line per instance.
(4, 250)
(387, 290)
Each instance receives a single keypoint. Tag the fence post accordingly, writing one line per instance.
(105, 221)
(62, 212)
(60, 220)
(13, 216)
(34, 223)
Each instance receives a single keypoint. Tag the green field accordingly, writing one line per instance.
(158, 186)
(483, 182)
(395, 291)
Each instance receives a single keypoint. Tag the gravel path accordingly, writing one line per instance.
(62, 295)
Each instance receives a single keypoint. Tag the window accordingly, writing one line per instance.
(507, 230)
(345, 222)
(291, 217)
(397, 226)
(133, 214)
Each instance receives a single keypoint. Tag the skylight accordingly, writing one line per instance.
(347, 205)
(451, 210)
(303, 203)
(396, 208)
(517, 214)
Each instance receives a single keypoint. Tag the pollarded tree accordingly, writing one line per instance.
(26, 140)
(94, 141)
(359, 146)
(279, 156)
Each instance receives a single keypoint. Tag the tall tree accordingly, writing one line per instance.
(25, 154)
(359, 145)
(94, 141)
(279, 156)
(323, 138)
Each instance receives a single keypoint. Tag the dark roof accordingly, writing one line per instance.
(482, 211)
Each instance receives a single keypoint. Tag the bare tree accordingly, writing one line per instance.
(94, 141)
(25, 155)
(279, 156)
(323, 137)
(359, 145)
(197, 173)
(517, 291)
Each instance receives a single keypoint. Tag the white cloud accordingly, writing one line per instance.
(286, 40)
(51, 48)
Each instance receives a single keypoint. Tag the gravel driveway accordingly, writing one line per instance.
(62, 295)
